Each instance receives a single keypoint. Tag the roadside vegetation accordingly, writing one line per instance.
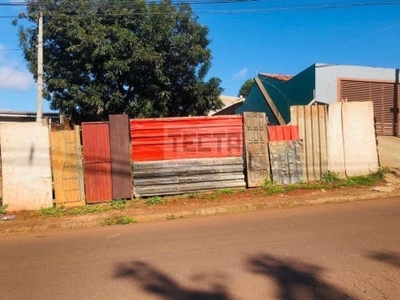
(329, 180)
(3, 209)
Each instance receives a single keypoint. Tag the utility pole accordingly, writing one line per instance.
(39, 69)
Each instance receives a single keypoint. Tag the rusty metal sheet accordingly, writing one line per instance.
(98, 182)
(286, 162)
(120, 157)
(97, 158)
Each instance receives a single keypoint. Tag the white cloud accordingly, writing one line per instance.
(241, 74)
(12, 78)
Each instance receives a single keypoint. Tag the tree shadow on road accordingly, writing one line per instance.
(295, 280)
(390, 258)
(158, 283)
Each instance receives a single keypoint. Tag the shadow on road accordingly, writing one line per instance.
(158, 283)
(390, 258)
(295, 280)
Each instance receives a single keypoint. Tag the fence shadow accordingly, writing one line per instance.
(158, 283)
(295, 280)
(390, 258)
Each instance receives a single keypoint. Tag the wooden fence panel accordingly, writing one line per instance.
(256, 140)
(187, 175)
(188, 137)
(120, 157)
(67, 167)
(97, 158)
(312, 122)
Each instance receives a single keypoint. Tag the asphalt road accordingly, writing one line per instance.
(341, 251)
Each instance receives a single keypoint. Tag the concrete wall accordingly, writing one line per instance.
(336, 160)
(360, 146)
(352, 146)
(327, 78)
(27, 183)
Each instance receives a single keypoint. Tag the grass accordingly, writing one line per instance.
(155, 200)
(54, 211)
(328, 180)
(118, 220)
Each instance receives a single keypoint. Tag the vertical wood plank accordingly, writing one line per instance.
(256, 141)
(316, 150)
(67, 168)
(323, 123)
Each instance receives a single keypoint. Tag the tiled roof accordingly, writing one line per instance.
(280, 77)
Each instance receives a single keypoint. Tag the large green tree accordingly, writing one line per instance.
(146, 59)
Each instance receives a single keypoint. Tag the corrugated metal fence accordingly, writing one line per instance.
(180, 155)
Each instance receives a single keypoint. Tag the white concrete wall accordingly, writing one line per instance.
(360, 147)
(336, 159)
(327, 78)
(27, 183)
(352, 146)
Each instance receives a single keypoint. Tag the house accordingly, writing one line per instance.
(230, 104)
(326, 83)
(23, 116)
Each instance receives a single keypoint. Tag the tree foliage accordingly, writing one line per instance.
(246, 87)
(145, 59)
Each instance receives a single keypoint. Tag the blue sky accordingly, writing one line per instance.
(249, 37)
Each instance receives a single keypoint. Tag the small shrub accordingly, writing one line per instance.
(271, 189)
(155, 200)
(118, 204)
(330, 177)
(118, 220)
(53, 211)
(3, 209)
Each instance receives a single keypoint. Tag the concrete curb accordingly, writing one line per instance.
(88, 221)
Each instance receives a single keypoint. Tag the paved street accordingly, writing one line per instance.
(341, 251)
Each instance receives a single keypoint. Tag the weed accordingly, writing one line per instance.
(215, 196)
(118, 204)
(118, 220)
(155, 200)
(330, 177)
(271, 189)
(3, 209)
(226, 191)
(192, 196)
(53, 211)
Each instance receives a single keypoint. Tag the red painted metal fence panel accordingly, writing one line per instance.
(283, 133)
(97, 158)
(188, 137)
